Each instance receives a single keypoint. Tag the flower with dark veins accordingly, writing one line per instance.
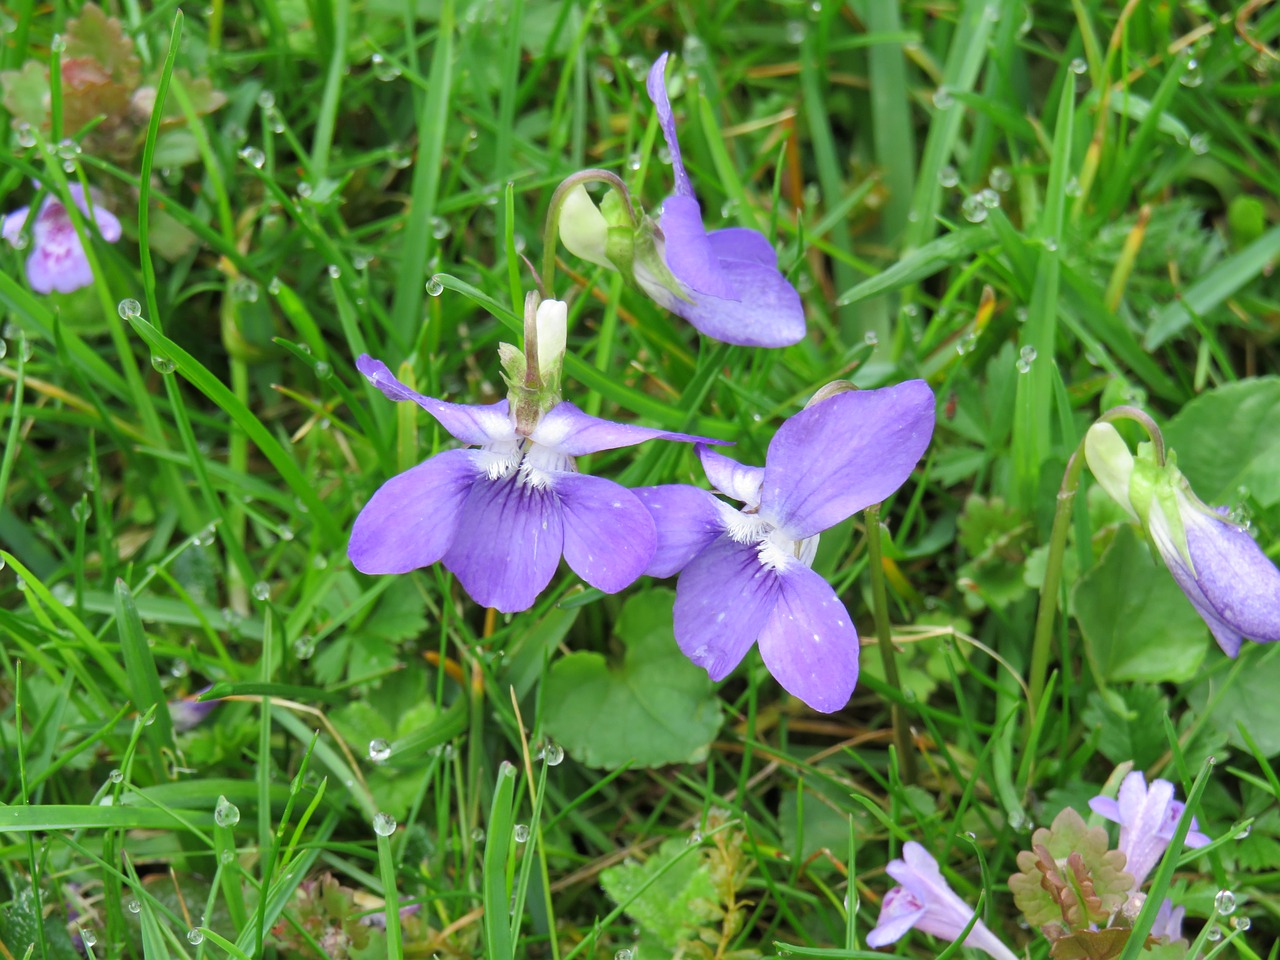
(746, 574)
(726, 282)
(501, 512)
(57, 260)
(1148, 816)
(1224, 573)
(925, 900)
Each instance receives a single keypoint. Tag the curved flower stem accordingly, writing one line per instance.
(880, 607)
(551, 231)
(1057, 548)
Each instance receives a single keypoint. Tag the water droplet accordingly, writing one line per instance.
(26, 135)
(383, 69)
(990, 199)
(20, 240)
(1027, 353)
(1072, 187)
(520, 832)
(1242, 923)
(871, 338)
(1050, 244)
(553, 753)
(477, 835)
(948, 176)
(266, 99)
(694, 51)
(304, 647)
(1213, 934)
(88, 936)
(275, 120)
(129, 308)
(226, 813)
(133, 906)
(1199, 144)
(335, 271)
(379, 750)
(261, 590)
(80, 510)
(179, 669)
(695, 838)
(623, 954)
(195, 936)
(633, 162)
(275, 286)
(1000, 179)
(1079, 66)
(1023, 366)
(435, 287)
(115, 776)
(506, 769)
(26, 348)
(384, 825)
(244, 290)
(58, 43)
(440, 228)
(305, 190)
(795, 31)
(942, 98)
(253, 156)
(974, 210)
(1244, 831)
(1225, 902)
(400, 159)
(1192, 75)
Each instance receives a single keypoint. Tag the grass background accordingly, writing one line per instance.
(1043, 209)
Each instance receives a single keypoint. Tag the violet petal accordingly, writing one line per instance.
(13, 223)
(410, 521)
(810, 644)
(609, 536)
(899, 912)
(731, 478)
(686, 521)
(1237, 580)
(723, 599)
(691, 256)
(656, 85)
(843, 454)
(490, 423)
(508, 543)
(566, 429)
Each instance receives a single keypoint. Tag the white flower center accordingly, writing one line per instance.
(534, 461)
(774, 548)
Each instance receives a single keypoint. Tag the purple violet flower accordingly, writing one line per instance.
(1168, 922)
(1147, 818)
(500, 515)
(188, 713)
(926, 901)
(1221, 569)
(745, 575)
(57, 260)
(726, 282)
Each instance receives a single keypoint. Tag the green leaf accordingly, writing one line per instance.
(1137, 623)
(1226, 439)
(95, 36)
(653, 709)
(1249, 699)
(1122, 718)
(26, 93)
(678, 903)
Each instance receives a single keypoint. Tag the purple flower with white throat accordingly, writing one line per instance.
(726, 282)
(58, 261)
(1148, 817)
(500, 513)
(745, 574)
(926, 901)
(1221, 569)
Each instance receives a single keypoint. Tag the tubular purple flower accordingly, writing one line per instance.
(58, 261)
(1168, 922)
(745, 575)
(1147, 818)
(926, 901)
(188, 713)
(1221, 569)
(500, 516)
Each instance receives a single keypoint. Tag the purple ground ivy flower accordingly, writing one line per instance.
(926, 901)
(57, 260)
(1147, 818)
(1220, 568)
(745, 574)
(500, 513)
(726, 282)
(1168, 922)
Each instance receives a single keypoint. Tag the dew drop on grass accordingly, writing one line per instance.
(384, 825)
(275, 286)
(1072, 188)
(115, 776)
(88, 936)
(1199, 144)
(1225, 902)
(1028, 353)
(383, 69)
(1192, 76)
(1214, 933)
(226, 856)
(506, 769)
(335, 271)
(623, 954)
(942, 99)
(261, 590)
(1242, 923)
(990, 199)
(266, 99)
(133, 906)
(695, 838)
(871, 338)
(1079, 65)
(58, 43)
(477, 835)
(304, 647)
(973, 209)
(1000, 179)
(435, 287)
(253, 157)
(195, 936)
(1240, 834)
(129, 308)
(553, 754)
(795, 32)
(520, 832)
(440, 228)
(323, 370)
(226, 813)
(379, 750)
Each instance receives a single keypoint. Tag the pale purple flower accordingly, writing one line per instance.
(925, 900)
(1148, 817)
(728, 282)
(1168, 922)
(188, 713)
(501, 514)
(57, 260)
(1221, 569)
(745, 575)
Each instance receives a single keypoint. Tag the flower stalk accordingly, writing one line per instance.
(884, 640)
(551, 230)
